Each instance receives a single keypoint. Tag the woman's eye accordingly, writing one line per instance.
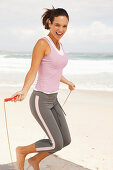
(59, 26)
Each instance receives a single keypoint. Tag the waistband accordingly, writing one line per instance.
(40, 93)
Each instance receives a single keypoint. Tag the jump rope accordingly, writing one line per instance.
(9, 99)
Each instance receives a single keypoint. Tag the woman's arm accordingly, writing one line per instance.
(64, 80)
(69, 83)
(37, 55)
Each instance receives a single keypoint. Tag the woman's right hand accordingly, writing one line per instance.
(20, 96)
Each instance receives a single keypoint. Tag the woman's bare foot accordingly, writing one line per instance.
(35, 160)
(34, 163)
(20, 158)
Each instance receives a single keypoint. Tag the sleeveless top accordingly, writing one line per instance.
(50, 69)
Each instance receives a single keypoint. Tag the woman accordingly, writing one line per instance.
(49, 59)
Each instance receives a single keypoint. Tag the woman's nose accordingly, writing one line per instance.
(61, 30)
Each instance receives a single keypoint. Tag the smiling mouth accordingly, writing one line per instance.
(59, 34)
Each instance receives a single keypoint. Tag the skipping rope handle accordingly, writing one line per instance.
(9, 99)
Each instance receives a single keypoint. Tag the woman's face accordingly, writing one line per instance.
(59, 26)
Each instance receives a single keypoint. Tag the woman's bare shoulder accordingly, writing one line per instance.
(42, 42)
(43, 45)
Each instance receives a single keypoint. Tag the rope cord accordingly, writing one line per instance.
(8, 139)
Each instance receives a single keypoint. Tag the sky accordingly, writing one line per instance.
(90, 27)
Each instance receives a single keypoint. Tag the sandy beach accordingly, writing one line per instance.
(89, 115)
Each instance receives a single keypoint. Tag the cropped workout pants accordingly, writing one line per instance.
(48, 112)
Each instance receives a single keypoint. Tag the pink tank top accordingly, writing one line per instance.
(50, 69)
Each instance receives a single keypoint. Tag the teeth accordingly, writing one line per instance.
(59, 33)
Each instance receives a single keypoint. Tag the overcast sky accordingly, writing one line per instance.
(90, 28)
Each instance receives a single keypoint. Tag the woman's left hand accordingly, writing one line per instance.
(71, 86)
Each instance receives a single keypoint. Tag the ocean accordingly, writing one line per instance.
(91, 71)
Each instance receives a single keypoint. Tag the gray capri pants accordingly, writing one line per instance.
(48, 112)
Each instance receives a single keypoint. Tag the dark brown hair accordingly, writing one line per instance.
(51, 13)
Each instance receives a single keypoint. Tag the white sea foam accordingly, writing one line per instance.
(92, 71)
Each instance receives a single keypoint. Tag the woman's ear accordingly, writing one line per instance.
(49, 24)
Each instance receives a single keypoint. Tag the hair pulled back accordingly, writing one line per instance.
(51, 13)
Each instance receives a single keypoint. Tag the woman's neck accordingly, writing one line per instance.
(56, 42)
